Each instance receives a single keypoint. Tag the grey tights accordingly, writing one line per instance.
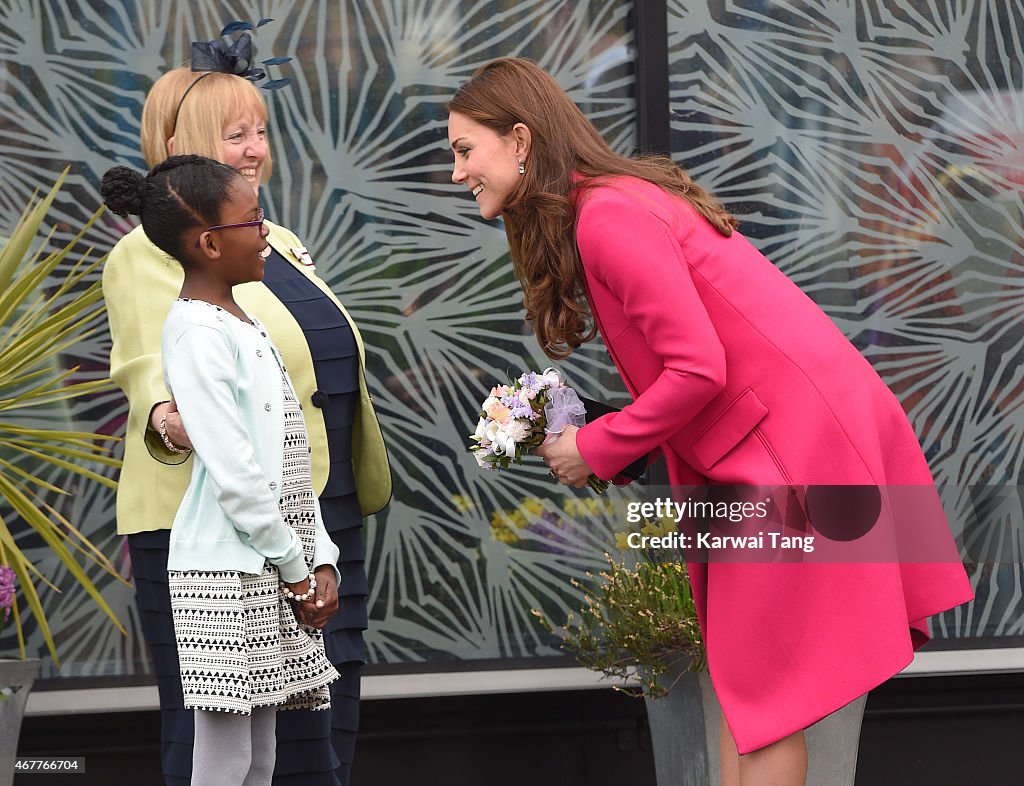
(234, 750)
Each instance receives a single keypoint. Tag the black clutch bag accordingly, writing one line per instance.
(596, 409)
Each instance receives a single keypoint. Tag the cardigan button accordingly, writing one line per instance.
(320, 399)
(259, 353)
(266, 407)
(273, 486)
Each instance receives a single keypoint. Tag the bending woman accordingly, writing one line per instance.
(737, 378)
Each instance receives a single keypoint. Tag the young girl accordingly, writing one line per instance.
(248, 534)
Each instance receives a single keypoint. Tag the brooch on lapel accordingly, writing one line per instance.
(303, 256)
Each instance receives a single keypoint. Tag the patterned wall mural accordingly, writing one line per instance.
(874, 150)
(362, 174)
(881, 170)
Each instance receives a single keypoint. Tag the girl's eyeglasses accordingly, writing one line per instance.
(257, 223)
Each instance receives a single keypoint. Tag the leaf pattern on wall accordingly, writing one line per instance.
(872, 147)
(363, 175)
(874, 150)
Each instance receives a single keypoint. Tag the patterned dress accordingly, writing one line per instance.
(239, 644)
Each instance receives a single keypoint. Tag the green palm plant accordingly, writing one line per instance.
(38, 322)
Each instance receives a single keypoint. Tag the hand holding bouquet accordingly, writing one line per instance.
(517, 418)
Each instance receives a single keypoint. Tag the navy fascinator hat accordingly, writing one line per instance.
(226, 56)
(235, 57)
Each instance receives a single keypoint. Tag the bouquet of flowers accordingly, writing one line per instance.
(517, 417)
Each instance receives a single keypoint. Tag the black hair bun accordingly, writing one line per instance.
(121, 189)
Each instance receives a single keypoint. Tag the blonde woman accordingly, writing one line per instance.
(224, 117)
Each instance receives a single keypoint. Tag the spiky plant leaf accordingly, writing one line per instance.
(37, 325)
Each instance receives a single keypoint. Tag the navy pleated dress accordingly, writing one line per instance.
(313, 748)
(336, 365)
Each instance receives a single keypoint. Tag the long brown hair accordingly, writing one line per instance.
(539, 215)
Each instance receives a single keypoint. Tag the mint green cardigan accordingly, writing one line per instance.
(139, 284)
(226, 378)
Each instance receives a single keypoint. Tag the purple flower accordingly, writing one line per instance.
(521, 410)
(6, 590)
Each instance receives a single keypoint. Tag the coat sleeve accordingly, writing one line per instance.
(139, 285)
(200, 367)
(633, 253)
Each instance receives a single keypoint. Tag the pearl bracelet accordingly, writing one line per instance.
(161, 429)
(307, 595)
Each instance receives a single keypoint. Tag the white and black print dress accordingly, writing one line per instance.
(239, 644)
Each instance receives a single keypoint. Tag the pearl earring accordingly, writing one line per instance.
(522, 167)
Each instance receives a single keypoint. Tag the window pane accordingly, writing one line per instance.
(875, 152)
(363, 176)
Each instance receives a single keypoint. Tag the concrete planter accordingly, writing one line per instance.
(684, 735)
(16, 678)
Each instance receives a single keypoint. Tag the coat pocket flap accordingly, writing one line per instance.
(731, 426)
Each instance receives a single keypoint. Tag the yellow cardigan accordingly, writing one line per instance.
(139, 284)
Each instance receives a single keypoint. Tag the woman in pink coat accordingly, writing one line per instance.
(737, 378)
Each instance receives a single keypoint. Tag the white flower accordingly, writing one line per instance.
(501, 444)
(489, 402)
(479, 456)
(481, 424)
(552, 377)
(517, 430)
(491, 430)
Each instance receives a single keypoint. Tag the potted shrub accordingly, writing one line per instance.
(638, 625)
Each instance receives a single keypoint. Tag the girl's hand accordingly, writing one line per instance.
(299, 587)
(175, 428)
(316, 612)
(563, 458)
